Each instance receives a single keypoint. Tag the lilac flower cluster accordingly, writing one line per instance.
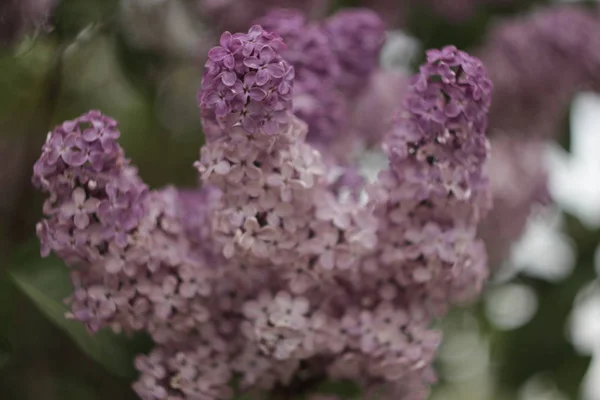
(536, 72)
(435, 192)
(524, 54)
(448, 112)
(133, 262)
(341, 50)
(246, 81)
(334, 60)
(268, 281)
(96, 197)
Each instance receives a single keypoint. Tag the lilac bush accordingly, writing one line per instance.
(266, 280)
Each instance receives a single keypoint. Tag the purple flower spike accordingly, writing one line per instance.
(245, 81)
(436, 191)
(94, 195)
(448, 104)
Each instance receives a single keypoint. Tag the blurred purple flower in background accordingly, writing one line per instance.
(519, 182)
(538, 62)
(19, 17)
(336, 61)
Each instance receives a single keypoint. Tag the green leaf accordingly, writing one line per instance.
(46, 283)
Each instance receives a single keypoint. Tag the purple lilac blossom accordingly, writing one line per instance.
(435, 191)
(536, 70)
(537, 62)
(267, 275)
(133, 266)
(317, 101)
(278, 218)
(333, 61)
(246, 82)
(308, 49)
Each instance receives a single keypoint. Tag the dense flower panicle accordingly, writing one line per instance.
(265, 213)
(435, 192)
(536, 71)
(277, 214)
(384, 343)
(95, 196)
(136, 268)
(275, 274)
(356, 37)
(446, 118)
(247, 82)
(162, 281)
